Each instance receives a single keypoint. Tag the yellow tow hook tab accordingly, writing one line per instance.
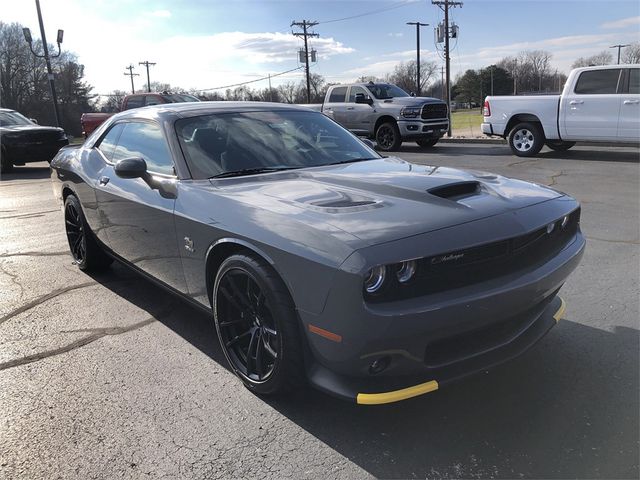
(396, 395)
(560, 312)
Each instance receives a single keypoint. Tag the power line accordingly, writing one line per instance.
(372, 12)
(250, 81)
(305, 25)
(131, 74)
(146, 63)
(619, 47)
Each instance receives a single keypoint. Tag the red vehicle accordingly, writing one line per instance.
(91, 121)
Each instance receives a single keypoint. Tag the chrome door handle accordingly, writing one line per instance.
(104, 181)
(630, 102)
(350, 108)
(576, 102)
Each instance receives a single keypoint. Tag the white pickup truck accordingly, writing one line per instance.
(598, 104)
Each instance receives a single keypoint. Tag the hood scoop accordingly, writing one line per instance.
(456, 191)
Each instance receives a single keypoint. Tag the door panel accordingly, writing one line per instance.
(358, 115)
(591, 111)
(629, 125)
(138, 213)
(335, 107)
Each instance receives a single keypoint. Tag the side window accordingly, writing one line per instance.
(135, 102)
(596, 82)
(152, 100)
(354, 90)
(109, 141)
(634, 80)
(338, 95)
(144, 139)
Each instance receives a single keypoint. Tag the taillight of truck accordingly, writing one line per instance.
(486, 111)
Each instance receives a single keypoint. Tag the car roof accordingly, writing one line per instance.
(607, 67)
(6, 110)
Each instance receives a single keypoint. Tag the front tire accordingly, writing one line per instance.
(526, 139)
(86, 252)
(427, 143)
(559, 146)
(6, 165)
(257, 326)
(388, 137)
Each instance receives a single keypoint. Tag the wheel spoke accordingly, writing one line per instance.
(252, 352)
(237, 338)
(228, 323)
(268, 348)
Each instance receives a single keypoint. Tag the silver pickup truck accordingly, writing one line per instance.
(386, 113)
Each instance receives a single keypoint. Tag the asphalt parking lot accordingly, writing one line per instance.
(108, 376)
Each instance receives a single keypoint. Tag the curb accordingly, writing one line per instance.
(500, 141)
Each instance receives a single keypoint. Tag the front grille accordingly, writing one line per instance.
(434, 110)
(460, 268)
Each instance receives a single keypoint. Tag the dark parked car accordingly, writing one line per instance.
(371, 278)
(22, 140)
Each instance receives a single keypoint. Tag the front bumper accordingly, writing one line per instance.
(422, 129)
(378, 390)
(37, 151)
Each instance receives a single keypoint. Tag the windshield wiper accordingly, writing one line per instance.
(353, 160)
(251, 171)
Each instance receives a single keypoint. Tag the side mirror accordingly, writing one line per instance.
(413, 94)
(134, 167)
(361, 98)
(33, 120)
(369, 143)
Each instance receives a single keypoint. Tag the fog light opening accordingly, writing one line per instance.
(379, 365)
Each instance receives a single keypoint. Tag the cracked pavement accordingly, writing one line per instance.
(108, 376)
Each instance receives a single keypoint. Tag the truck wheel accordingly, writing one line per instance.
(6, 165)
(388, 137)
(427, 143)
(559, 146)
(526, 139)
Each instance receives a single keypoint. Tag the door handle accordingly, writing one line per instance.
(630, 102)
(350, 108)
(104, 181)
(576, 102)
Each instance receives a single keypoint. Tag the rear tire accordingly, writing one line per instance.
(526, 139)
(388, 137)
(427, 143)
(6, 165)
(85, 250)
(257, 326)
(559, 146)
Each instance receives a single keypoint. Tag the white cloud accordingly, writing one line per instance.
(622, 23)
(396, 35)
(160, 13)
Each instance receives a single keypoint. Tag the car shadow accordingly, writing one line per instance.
(28, 172)
(566, 408)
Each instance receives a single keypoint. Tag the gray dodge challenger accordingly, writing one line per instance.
(321, 262)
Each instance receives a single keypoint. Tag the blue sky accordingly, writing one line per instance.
(208, 43)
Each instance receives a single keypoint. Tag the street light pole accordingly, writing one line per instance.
(619, 47)
(47, 58)
(418, 25)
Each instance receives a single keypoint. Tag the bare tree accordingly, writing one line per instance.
(631, 53)
(113, 101)
(405, 73)
(602, 58)
(539, 62)
(288, 91)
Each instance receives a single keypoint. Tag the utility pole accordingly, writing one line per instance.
(146, 63)
(27, 36)
(418, 25)
(131, 74)
(619, 47)
(305, 24)
(444, 6)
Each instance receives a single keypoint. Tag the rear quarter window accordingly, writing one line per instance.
(598, 82)
(634, 80)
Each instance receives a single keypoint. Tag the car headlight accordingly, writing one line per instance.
(410, 112)
(406, 270)
(374, 280)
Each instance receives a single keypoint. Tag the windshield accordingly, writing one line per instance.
(13, 118)
(180, 98)
(252, 141)
(383, 91)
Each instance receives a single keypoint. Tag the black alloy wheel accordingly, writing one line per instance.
(388, 137)
(86, 252)
(257, 326)
(75, 232)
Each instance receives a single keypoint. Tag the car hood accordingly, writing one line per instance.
(411, 101)
(383, 200)
(31, 132)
